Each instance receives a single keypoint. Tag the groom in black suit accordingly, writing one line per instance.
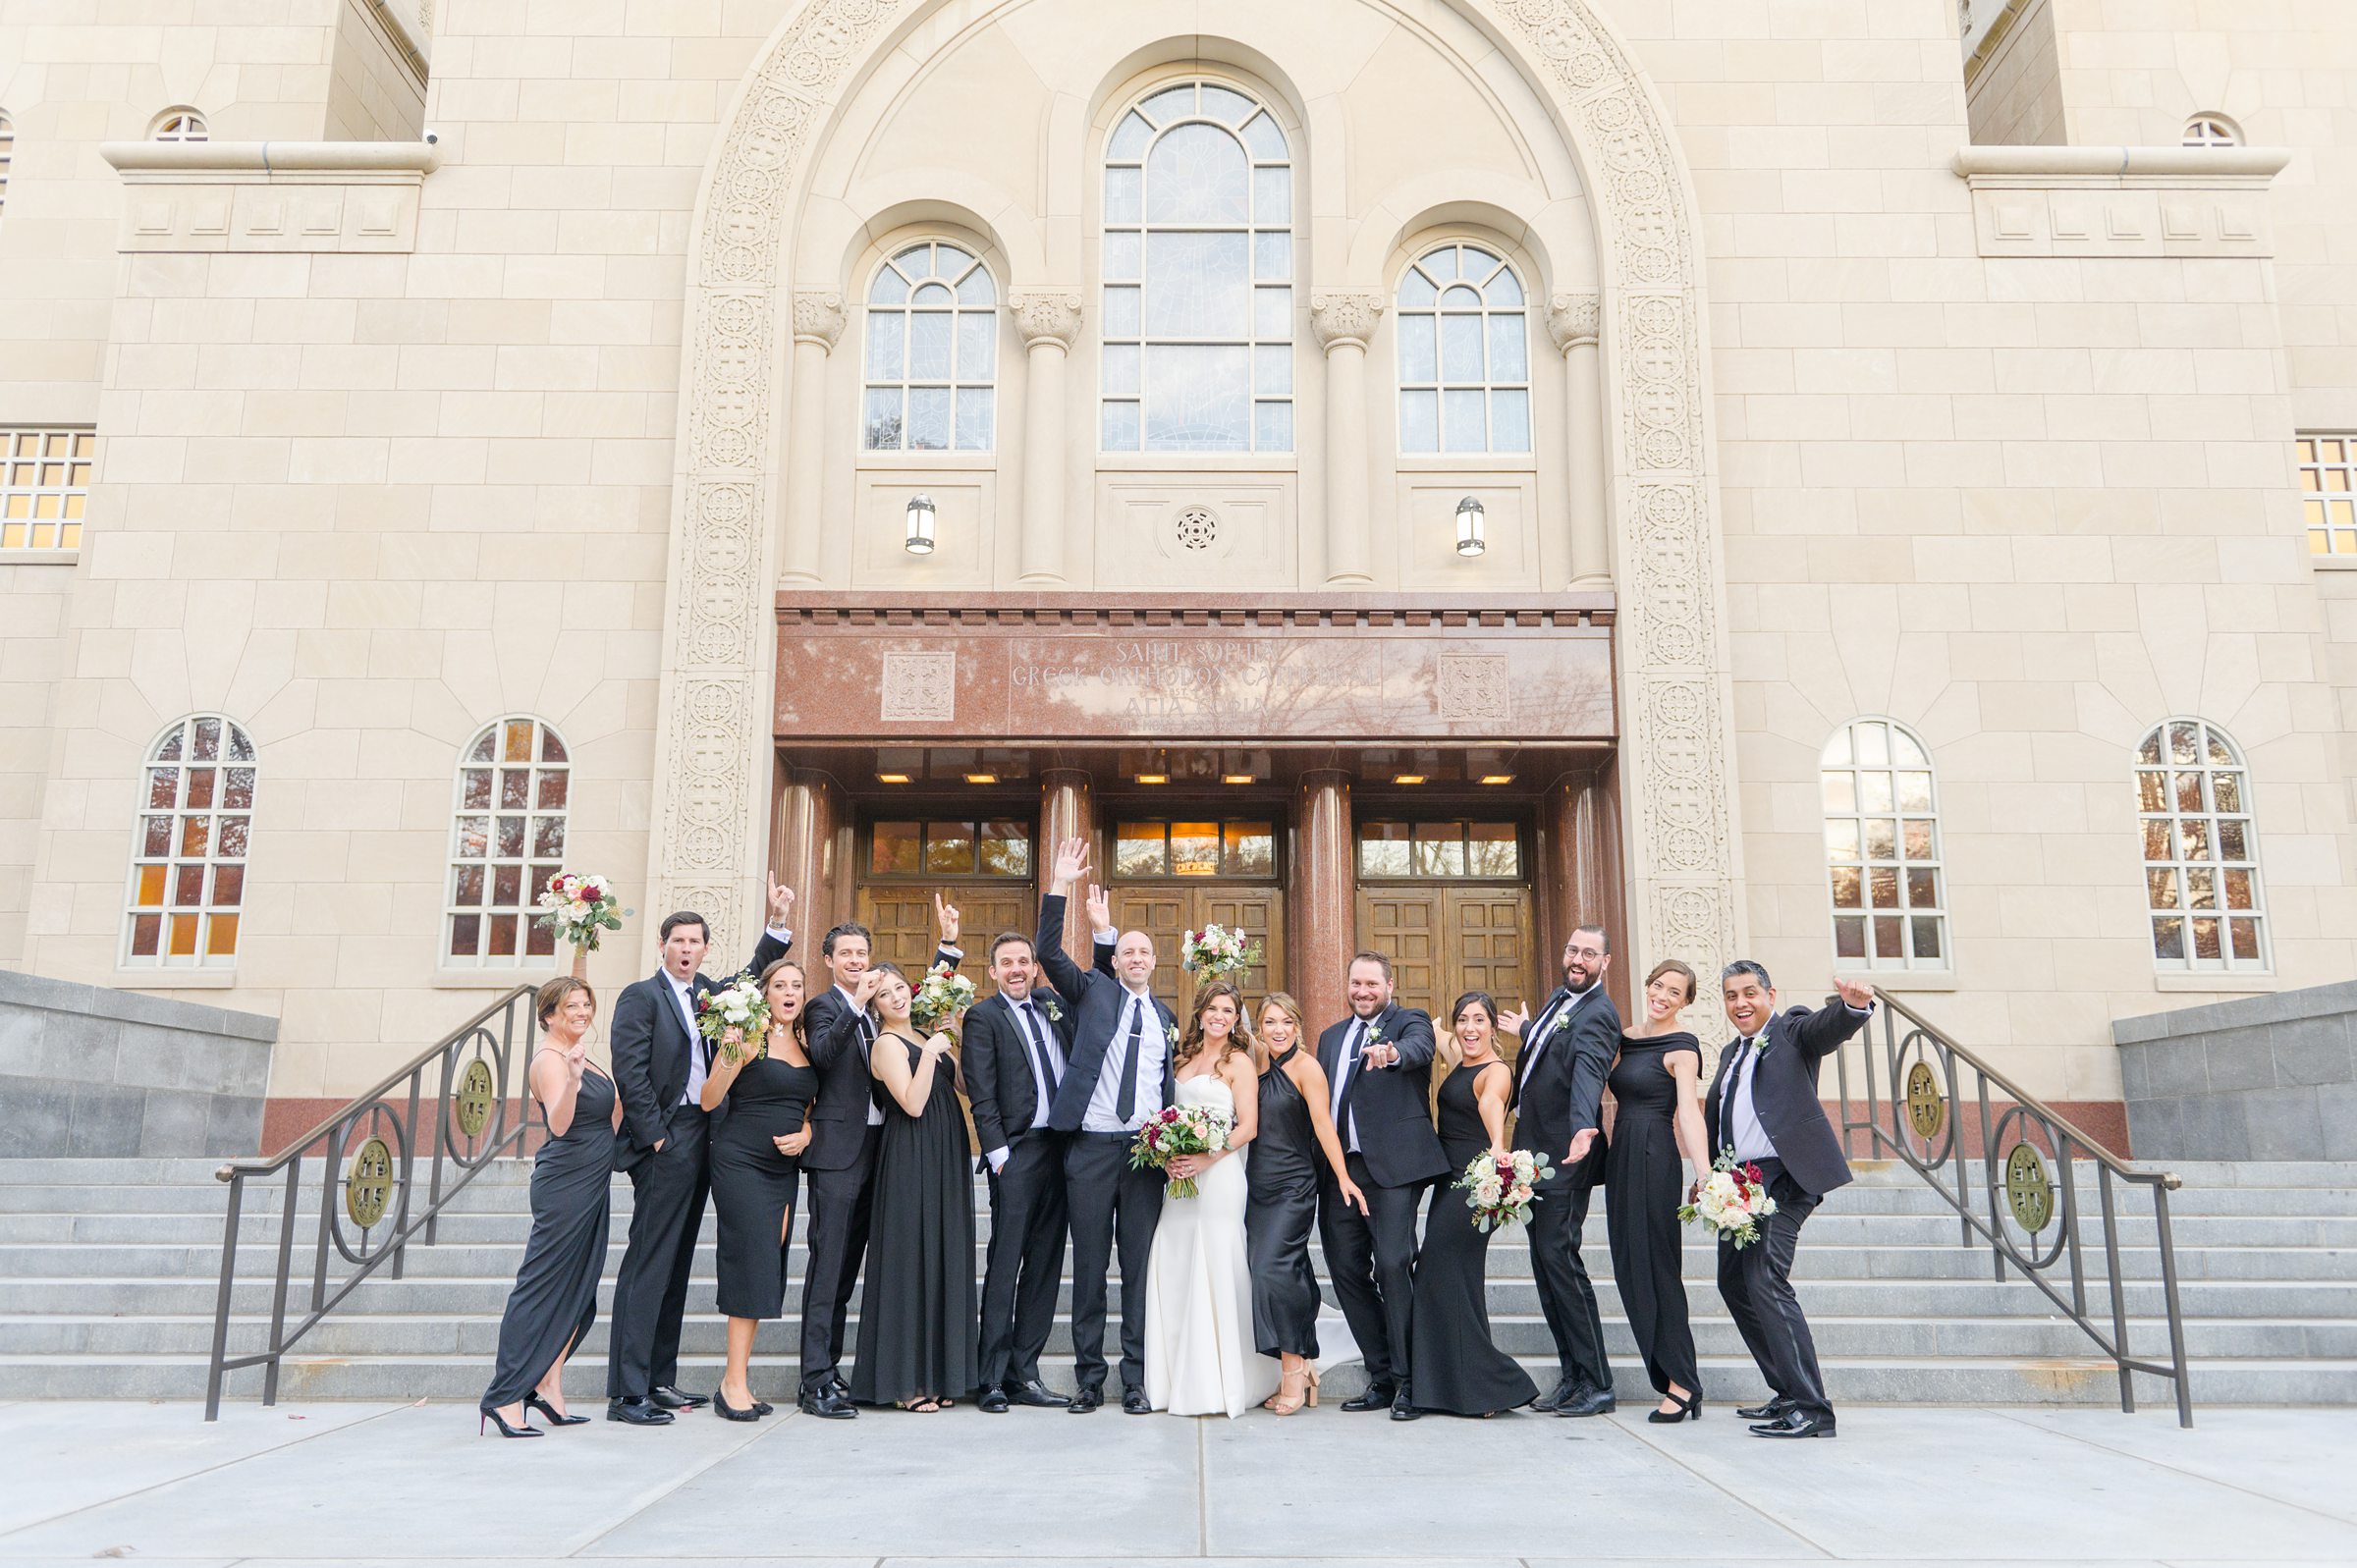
(1379, 1064)
(1120, 1075)
(1567, 1054)
(1017, 1048)
(660, 1060)
(1763, 1105)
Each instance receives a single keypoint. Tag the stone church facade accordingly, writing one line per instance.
(1866, 484)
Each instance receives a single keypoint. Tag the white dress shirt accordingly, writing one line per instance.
(1738, 1123)
(1344, 1070)
(1029, 1017)
(1153, 1051)
(1542, 1030)
(694, 1093)
(867, 1041)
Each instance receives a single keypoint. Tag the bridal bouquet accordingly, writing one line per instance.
(577, 906)
(735, 1017)
(1501, 1188)
(1179, 1130)
(1732, 1203)
(940, 997)
(1216, 951)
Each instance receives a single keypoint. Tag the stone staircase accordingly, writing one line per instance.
(109, 1269)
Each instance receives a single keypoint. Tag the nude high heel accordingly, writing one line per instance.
(1313, 1388)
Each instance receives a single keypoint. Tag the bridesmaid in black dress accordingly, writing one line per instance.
(554, 1299)
(920, 1319)
(1660, 1117)
(1456, 1365)
(1282, 1207)
(757, 1165)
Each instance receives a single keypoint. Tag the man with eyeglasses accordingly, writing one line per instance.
(1567, 1053)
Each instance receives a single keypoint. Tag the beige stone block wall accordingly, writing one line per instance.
(2014, 86)
(374, 94)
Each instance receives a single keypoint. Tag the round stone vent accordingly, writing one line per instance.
(1196, 528)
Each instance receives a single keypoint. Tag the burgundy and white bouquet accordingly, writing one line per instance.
(1733, 1202)
(577, 906)
(735, 1018)
(940, 997)
(1179, 1130)
(1501, 1188)
(1217, 950)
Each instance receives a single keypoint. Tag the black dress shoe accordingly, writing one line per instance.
(671, 1398)
(1588, 1402)
(1401, 1410)
(762, 1407)
(841, 1385)
(1774, 1409)
(637, 1412)
(1553, 1398)
(1034, 1393)
(1087, 1400)
(1796, 1424)
(826, 1404)
(729, 1411)
(1134, 1402)
(993, 1401)
(1379, 1397)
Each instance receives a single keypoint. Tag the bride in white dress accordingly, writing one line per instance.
(1201, 1358)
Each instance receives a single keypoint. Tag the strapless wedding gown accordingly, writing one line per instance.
(1201, 1359)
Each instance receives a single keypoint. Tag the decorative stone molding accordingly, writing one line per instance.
(1047, 315)
(275, 196)
(818, 317)
(1339, 316)
(1575, 318)
(2121, 201)
(714, 752)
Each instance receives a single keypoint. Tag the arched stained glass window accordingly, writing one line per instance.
(187, 863)
(1882, 848)
(2201, 849)
(515, 792)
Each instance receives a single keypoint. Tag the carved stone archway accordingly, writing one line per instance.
(713, 747)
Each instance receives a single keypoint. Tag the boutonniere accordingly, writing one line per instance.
(1374, 1037)
(1171, 1030)
(1047, 1005)
(1562, 1020)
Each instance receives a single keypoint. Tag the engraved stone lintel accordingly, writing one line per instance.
(1047, 315)
(920, 688)
(1345, 316)
(1573, 319)
(1472, 689)
(818, 317)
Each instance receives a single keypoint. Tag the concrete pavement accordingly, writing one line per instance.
(412, 1484)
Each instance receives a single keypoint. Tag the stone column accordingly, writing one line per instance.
(1067, 810)
(1579, 877)
(810, 810)
(818, 316)
(1050, 322)
(1574, 320)
(1322, 925)
(1344, 321)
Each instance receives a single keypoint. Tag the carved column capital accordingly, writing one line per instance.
(1573, 319)
(1345, 316)
(818, 316)
(1044, 316)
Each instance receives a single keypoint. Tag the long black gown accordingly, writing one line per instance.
(920, 1324)
(1281, 1175)
(753, 1185)
(1642, 1177)
(554, 1299)
(1456, 1365)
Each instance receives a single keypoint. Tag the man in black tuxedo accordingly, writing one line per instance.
(1379, 1064)
(660, 1060)
(1567, 1054)
(840, 1163)
(1016, 1050)
(1120, 1075)
(1763, 1105)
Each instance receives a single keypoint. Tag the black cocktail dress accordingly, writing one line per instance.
(1643, 1176)
(753, 1185)
(1281, 1172)
(1455, 1366)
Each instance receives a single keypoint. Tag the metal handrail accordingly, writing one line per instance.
(484, 1085)
(1923, 1080)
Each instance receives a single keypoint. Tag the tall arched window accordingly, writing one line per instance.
(932, 352)
(2211, 131)
(187, 864)
(179, 125)
(1882, 848)
(1465, 354)
(1198, 272)
(507, 839)
(2201, 849)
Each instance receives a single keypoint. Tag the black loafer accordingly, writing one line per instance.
(1039, 1395)
(993, 1401)
(1554, 1397)
(1379, 1397)
(1087, 1400)
(1796, 1424)
(1401, 1410)
(827, 1405)
(1134, 1402)
(638, 1412)
(671, 1398)
(1773, 1410)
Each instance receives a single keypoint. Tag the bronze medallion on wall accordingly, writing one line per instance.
(2028, 1190)
(470, 1101)
(1927, 1109)
(369, 1182)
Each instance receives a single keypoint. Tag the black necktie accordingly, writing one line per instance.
(1039, 1051)
(1541, 1028)
(1734, 1081)
(1124, 1104)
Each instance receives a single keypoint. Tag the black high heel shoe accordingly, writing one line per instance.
(527, 1430)
(1688, 1409)
(535, 1403)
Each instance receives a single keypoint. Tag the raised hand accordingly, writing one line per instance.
(865, 987)
(1857, 993)
(1100, 909)
(947, 915)
(575, 1057)
(780, 901)
(1513, 1022)
(1072, 862)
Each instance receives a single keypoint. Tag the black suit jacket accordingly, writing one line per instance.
(999, 1082)
(838, 1035)
(1783, 1095)
(1565, 1091)
(651, 1042)
(1096, 1002)
(1394, 1105)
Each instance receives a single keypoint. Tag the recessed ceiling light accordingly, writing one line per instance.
(1236, 777)
(1407, 777)
(1496, 777)
(1153, 777)
(981, 778)
(891, 777)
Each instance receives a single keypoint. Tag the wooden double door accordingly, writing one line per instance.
(1445, 939)
(1168, 910)
(901, 918)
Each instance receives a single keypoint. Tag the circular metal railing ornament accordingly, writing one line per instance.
(2029, 1190)
(478, 1111)
(377, 1138)
(369, 1182)
(1927, 1108)
(1924, 1072)
(471, 1103)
